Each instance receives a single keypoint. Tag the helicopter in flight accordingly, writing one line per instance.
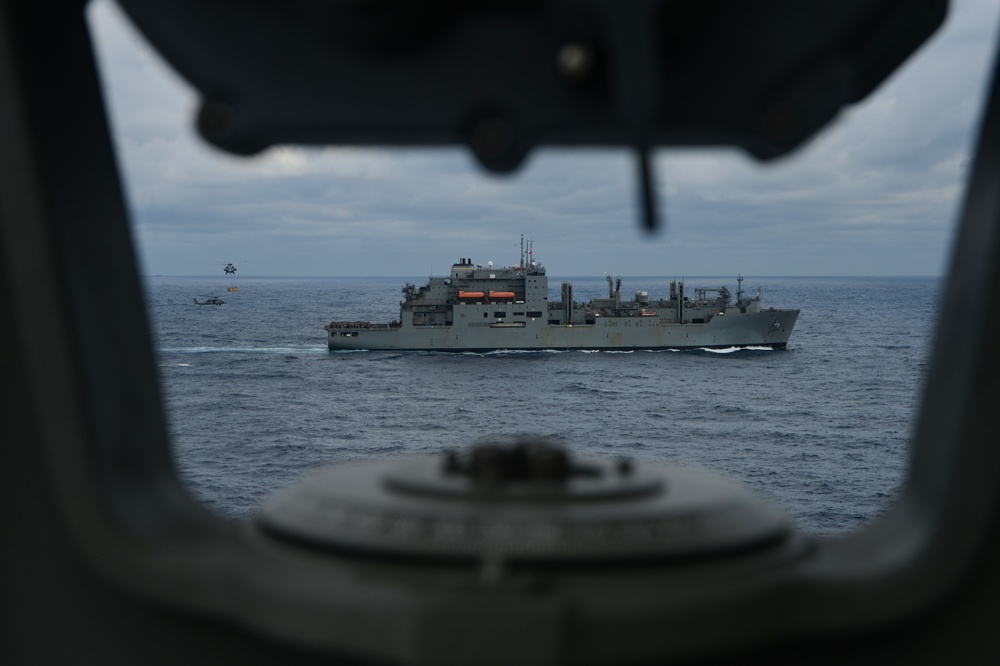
(230, 269)
(210, 300)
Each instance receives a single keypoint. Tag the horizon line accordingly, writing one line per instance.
(585, 277)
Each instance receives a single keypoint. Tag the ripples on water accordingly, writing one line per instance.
(255, 400)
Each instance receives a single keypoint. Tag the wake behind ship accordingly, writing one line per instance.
(481, 309)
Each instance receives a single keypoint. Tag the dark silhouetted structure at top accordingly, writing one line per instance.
(107, 559)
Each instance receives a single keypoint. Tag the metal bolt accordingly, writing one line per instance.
(215, 119)
(625, 466)
(575, 61)
(492, 138)
(781, 121)
(452, 464)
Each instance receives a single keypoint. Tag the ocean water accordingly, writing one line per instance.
(255, 400)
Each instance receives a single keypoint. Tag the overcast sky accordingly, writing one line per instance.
(876, 194)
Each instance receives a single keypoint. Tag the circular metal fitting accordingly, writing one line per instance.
(492, 139)
(215, 119)
(575, 61)
(587, 512)
(781, 121)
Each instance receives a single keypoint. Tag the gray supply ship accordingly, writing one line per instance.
(479, 309)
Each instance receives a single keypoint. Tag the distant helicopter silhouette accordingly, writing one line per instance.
(211, 300)
(230, 269)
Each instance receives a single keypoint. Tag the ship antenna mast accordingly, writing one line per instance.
(522, 251)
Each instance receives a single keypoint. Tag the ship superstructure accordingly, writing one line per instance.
(485, 308)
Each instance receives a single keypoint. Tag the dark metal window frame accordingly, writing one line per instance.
(90, 463)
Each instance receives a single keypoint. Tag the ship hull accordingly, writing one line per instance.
(757, 329)
(485, 308)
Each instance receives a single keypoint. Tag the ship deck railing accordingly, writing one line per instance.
(367, 325)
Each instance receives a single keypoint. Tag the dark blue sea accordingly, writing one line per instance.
(255, 400)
